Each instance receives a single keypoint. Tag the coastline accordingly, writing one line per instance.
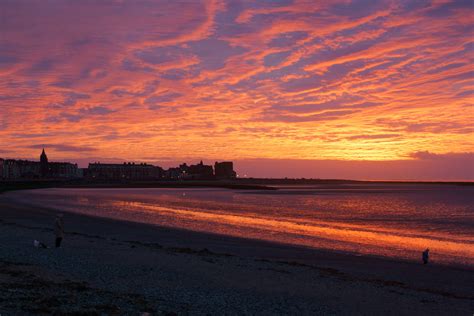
(173, 270)
(6, 186)
(265, 184)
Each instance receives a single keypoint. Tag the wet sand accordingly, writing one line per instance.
(112, 267)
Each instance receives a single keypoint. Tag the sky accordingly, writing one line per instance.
(326, 89)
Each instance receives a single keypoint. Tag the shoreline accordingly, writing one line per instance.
(412, 256)
(44, 184)
(237, 184)
(198, 255)
(318, 253)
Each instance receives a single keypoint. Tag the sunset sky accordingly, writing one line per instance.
(333, 89)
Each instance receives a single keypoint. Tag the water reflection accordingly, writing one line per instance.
(400, 222)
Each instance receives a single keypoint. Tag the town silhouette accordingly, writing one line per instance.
(12, 169)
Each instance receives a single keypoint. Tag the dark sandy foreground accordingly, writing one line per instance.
(113, 268)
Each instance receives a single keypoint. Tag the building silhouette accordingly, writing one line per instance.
(44, 165)
(12, 169)
(199, 171)
(125, 171)
(224, 170)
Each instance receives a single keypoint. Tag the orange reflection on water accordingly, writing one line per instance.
(314, 233)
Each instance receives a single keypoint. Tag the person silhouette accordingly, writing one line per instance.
(426, 256)
(59, 229)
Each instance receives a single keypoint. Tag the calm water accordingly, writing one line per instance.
(386, 220)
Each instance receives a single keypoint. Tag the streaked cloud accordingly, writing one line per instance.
(63, 148)
(331, 80)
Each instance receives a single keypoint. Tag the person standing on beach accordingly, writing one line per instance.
(59, 229)
(426, 256)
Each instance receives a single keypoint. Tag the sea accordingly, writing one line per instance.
(396, 221)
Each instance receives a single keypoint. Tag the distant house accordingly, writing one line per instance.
(224, 170)
(63, 170)
(173, 173)
(197, 172)
(11, 169)
(20, 169)
(200, 171)
(125, 171)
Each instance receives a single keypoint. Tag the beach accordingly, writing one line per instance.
(116, 267)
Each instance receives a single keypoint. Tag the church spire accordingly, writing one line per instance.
(44, 165)
(43, 157)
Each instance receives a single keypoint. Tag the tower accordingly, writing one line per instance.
(44, 165)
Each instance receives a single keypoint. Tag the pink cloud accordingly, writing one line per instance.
(328, 80)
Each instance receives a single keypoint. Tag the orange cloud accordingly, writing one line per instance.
(213, 79)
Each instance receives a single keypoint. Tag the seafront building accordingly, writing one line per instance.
(199, 171)
(224, 170)
(192, 172)
(125, 171)
(173, 174)
(12, 169)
